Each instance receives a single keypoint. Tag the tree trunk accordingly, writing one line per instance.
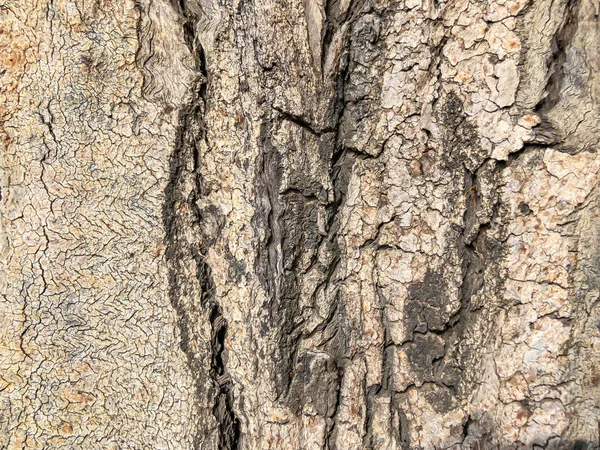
(299, 224)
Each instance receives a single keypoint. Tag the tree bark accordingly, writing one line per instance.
(299, 224)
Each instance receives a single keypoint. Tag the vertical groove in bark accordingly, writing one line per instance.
(175, 253)
(556, 68)
(182, 216)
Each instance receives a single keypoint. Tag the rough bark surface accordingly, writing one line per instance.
(299, 224)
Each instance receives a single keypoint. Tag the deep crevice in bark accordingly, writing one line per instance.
(561, 42)
(179, 249)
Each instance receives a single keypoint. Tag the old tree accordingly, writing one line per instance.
(299, 224)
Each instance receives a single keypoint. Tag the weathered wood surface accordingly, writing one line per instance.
(299, 224)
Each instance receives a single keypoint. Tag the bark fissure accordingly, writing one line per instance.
(183, 192)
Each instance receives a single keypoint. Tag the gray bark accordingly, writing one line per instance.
(285, 224)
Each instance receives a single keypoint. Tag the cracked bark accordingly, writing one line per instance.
(299, 224)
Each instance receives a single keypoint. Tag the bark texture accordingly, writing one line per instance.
(299, 224)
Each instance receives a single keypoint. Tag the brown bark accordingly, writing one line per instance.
(299, 224)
